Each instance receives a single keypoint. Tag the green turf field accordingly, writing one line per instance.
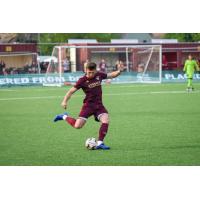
(149, 125)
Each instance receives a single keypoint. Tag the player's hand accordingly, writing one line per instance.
(121, 68)
(64, 105)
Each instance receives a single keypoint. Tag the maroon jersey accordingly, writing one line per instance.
(92, 87)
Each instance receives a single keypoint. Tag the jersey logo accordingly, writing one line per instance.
(97, 78)
(95, 84)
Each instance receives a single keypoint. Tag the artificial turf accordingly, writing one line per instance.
(150, 125)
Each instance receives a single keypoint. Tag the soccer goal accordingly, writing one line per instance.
(142, 63)
(54, 73)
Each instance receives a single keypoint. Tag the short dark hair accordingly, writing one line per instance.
(91, 66)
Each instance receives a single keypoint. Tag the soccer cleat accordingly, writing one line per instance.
(102, 146)
(59, 117)
(188, 89)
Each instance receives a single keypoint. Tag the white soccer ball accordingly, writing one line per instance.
(91, 143)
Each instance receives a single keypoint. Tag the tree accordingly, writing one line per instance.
(183, 37)
(46, 49)
(26, 37)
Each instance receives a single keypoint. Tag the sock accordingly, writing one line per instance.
(102, 131)
(99, 142)
(69, 120)
(64, 117)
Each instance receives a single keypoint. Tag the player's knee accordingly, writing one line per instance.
(105, 121)
(79, 123)
(78, 126)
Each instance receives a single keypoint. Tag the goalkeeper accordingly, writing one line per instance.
(189, 68)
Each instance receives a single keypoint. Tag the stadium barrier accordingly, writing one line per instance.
(70, 78)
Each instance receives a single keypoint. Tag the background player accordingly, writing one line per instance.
(190, 67)
(90, 83)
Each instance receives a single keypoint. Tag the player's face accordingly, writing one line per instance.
(90, 73)
(190, 57)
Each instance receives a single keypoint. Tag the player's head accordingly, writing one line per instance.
(190, 57)
(91, 69)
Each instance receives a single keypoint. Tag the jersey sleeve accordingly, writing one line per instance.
(196, 66)
(103, 75)
(185, 66)
(79, 84)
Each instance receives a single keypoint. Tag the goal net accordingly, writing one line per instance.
(142, 63)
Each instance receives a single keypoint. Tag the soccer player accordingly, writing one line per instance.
(190, 67)
(90, 83)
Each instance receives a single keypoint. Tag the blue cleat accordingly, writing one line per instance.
(59, 117)
(102, 146)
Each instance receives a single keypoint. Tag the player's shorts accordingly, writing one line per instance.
(190, 76)
(92, 109)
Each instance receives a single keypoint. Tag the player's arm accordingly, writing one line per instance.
(115, 73)
(197, 66)
(68, 96)
(185, 66)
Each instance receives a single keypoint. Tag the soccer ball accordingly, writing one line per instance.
(91, 143)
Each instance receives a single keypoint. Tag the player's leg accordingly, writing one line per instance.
(80, 122)
(190, 82)
(104, 119)
(76, 123)
(190, 85)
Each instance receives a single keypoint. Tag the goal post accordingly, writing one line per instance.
(142, 63)
(149, 64)
(54, 69)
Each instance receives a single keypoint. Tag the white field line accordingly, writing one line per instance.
(30, 98)
(67, 88)
(7, 90)
(26, 90)
(111, 94)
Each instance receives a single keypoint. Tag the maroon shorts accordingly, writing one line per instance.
(92, 109)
